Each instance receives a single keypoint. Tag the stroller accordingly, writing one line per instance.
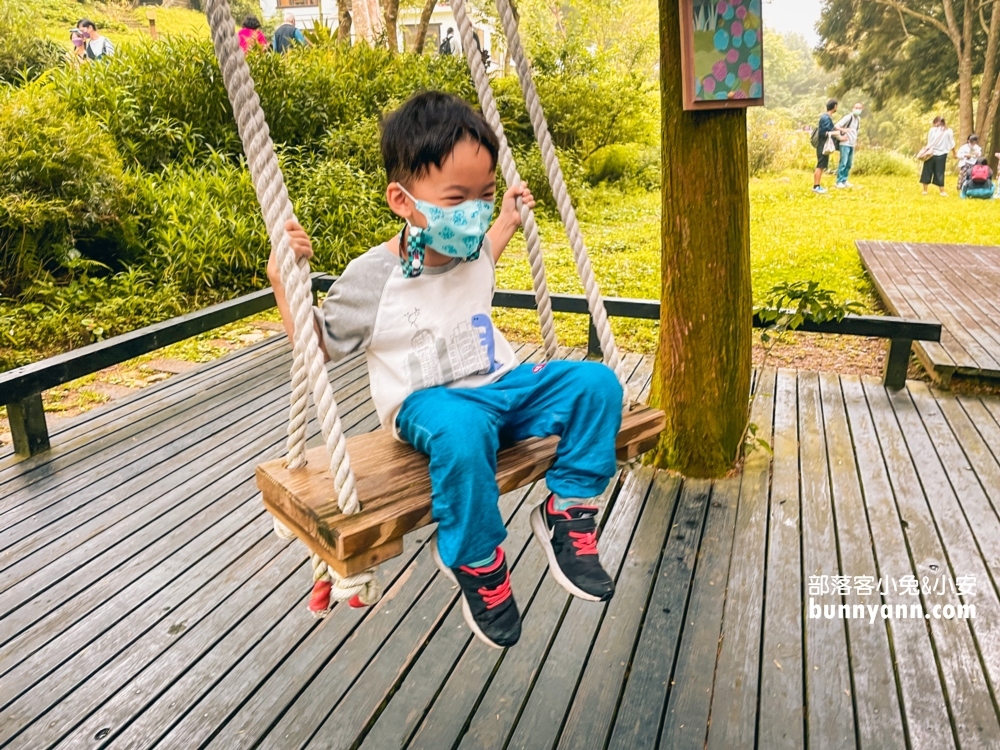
(979, 181)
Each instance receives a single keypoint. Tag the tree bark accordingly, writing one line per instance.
(989, 91)
(362, 23)
(702, 372)
(375, 16)
(993, 140)
(391, 15)
(965, 92)
(344, 21)
(425, 19)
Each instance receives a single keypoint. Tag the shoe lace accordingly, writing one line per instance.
(497, 596)
(585, 542)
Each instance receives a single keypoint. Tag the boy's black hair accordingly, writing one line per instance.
(86, 23)
(984, 162)
(251, 22)
(426, 129)
(831, 105)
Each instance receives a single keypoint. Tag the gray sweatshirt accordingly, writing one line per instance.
(417, 333)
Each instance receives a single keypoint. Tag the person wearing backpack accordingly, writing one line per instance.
(824, 134)
(447, 47)
(980, 182)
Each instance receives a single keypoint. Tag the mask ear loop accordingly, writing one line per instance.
(411, 257)
(412, 246)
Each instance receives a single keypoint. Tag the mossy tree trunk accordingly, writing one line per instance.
(702, 373)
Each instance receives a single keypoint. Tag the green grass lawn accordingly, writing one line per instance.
(795, 236)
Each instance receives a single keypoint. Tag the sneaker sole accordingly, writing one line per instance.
(541, 531)
(466, 612)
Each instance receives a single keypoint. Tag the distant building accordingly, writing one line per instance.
(309, 12)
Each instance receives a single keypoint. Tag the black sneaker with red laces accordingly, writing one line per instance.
(569, 538)
(487, 601)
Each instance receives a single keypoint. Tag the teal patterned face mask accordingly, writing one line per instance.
(455, 231)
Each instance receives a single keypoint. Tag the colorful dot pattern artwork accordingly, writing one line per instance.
(728, 50)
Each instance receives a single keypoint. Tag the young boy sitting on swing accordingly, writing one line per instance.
(446, 381)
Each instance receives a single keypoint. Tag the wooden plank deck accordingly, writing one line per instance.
(958, 285)
(144, 601)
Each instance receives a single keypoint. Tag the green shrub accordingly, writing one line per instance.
(589, 101)
(881, 163)
(342, 207)
(62, 188)
(203, 230)
(626, 163)
(773, 144)
(87, 309)
(164, 101)
(161, 101)
(23, 56)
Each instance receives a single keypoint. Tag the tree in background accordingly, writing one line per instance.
(425, 18)
(702, 372)
(795, 82)
(391, 14)
(926, 49)
(344, 21)
(367, 20)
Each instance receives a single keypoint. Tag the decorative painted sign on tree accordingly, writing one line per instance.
(722, 42)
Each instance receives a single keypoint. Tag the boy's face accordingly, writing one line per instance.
(467, 173)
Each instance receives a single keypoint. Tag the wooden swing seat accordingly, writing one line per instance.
(394, 490)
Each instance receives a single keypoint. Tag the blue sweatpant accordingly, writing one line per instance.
(461, 429)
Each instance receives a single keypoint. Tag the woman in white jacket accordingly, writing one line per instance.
(940, 142)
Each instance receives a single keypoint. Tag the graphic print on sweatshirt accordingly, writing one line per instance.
(470, 351)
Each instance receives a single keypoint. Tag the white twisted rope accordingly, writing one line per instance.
(307, 362)
(594, 299)
(510, 174)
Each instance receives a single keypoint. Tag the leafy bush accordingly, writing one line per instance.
(87, 309)
(590, 102)
(203, 230)
(342, 207)
(161, 102)
(772, 143)
(164, 102)
(627, 163)
(883, 164)
(23, 56)
(62, 189)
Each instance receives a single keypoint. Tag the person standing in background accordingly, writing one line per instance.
(97, 47)
(79, 42)
(287, 35)
(849, 126)
(968, 155)
(940, 142)
(448, 45)
(251, 35)
(824, 131)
